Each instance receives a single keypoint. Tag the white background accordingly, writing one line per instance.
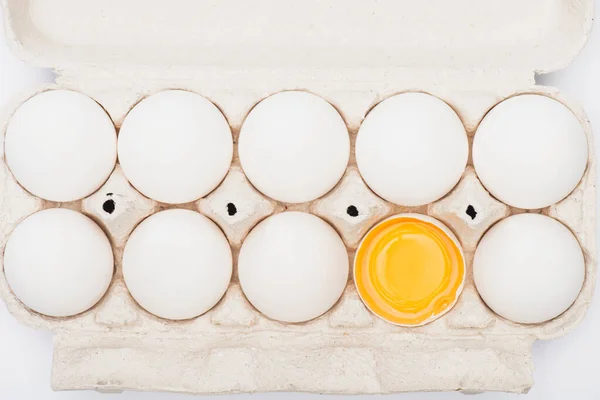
(566, 368)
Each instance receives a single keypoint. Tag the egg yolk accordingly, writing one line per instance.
(408, 271)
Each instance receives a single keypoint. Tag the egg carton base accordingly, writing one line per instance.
(271, 362)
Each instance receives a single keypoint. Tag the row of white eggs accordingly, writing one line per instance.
(293, 266)
(175, 147)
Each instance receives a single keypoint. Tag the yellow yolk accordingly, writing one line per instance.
(408, 271)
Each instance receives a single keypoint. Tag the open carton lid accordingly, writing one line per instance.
(526, 36)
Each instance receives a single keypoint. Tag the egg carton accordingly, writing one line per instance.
(353, 53)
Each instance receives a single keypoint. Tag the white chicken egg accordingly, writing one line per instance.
(412, 149)
(293, 267)
(177, 264)
(529, 268)
(294, 147)
(58, 262)
(175, 146)
(61, 145)
(530, 151)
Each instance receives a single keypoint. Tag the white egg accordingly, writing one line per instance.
(294, 147)
(58, 262)
(177, 264)
(530, 151)
(175, 146)
(61, 145)
(412, 149)
(293, 267)
(529, 268)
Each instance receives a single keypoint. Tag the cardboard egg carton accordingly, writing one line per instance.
(353, 53)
